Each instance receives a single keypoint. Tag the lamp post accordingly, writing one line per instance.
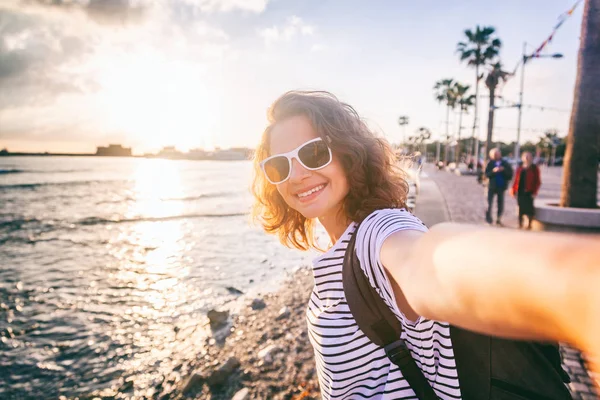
(520, 105)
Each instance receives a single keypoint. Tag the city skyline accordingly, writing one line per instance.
(201, 74)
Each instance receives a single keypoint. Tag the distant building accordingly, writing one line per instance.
(197, 154)
(170, 152)
(236, 153)
(114, 150)
(248, 153)
(4, 151)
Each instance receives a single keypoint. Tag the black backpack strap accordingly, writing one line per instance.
(379, 323)
(473, 357)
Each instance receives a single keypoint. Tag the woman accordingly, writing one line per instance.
(525, 187)
(317, 160)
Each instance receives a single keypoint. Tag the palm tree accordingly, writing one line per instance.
(403, 120)
(580, 178)
(444, 93)
(422, 134)
(481, 48)
(548, 143)
(465, 101)
(495, 76)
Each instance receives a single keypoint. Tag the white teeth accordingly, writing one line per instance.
(311, 191)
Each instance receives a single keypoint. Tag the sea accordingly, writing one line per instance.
(108, 267)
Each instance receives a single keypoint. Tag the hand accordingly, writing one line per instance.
(498, 169)
(511, 192)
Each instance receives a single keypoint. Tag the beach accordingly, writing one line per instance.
(137, 286)
(109, 267)
(266, 355)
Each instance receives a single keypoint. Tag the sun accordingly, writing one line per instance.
(157, 102)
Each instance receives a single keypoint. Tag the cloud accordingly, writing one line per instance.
(57, 58)
(102, 11)
(256, 6)
(132, 11)
(44, 46)
(318, 47)
(293, 27)
(34, 58)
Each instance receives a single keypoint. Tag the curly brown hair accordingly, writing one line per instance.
(374, 178)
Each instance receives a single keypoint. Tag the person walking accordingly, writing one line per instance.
(525, 187)
(499, 174)
(318, 163)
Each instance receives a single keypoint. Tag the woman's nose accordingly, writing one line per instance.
(298, 171)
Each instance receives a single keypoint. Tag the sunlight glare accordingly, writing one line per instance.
(158, 102)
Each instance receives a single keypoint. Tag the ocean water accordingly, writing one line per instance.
(109, 265)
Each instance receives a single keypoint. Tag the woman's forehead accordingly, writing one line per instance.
(290, 133)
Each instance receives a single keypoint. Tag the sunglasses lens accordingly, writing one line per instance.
(315, 155)
(277, 169)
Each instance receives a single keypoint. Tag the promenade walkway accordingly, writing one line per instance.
(445, 196)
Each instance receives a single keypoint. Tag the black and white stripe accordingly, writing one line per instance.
(349, 365)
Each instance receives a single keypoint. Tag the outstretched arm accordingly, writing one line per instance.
(500, 282)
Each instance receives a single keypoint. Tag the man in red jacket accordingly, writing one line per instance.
(525, 187)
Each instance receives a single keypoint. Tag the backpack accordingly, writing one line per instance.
(488, 367)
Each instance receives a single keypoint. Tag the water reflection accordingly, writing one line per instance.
(150, 262)
(155, 182)
(101, 295)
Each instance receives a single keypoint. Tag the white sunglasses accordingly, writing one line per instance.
(312, 155)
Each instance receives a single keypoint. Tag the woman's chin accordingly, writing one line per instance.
(310, 212)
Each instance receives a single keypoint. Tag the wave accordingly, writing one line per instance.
(11, 171)
(33, 240)
(200, 197)
(188, 198)
(17, 222)
(103, 221)
(37, 226)
(34, 186)
(33, 171)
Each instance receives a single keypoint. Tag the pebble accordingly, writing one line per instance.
(266, 354)
(241, 394)
(217, 318)
(258, 304)
(233, 290)
(283, 313)
(220, 375)
(127, 386)
(194, 382)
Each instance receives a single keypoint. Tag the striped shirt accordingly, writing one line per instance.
(349, 365)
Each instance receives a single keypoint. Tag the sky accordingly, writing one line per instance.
(76, 74)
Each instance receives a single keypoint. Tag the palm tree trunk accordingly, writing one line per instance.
(580, 178)
(459, 131)
(446, 143)
(473, 145)
(490, 127)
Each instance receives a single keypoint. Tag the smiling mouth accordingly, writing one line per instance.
(311, 193)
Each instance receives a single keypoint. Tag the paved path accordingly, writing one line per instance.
(467, 200)
(445, 196)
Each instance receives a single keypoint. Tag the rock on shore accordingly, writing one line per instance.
(266, 354)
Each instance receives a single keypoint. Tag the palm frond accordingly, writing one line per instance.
(469, 34)
(461, 47)
(488, 31)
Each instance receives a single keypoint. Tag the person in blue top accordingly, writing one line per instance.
(499, 174)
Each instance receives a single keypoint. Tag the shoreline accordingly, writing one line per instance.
(261, 352)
